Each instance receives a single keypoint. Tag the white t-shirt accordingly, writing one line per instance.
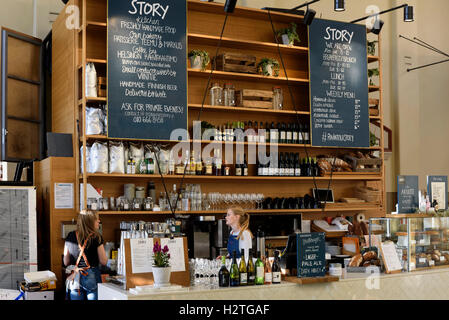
(245, 242)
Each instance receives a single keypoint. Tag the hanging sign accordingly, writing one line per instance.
(338, 84)
(147, 68)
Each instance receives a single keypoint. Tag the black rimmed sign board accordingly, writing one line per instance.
(338, 84)
(408, 194)
(147, 68)
(311, 254)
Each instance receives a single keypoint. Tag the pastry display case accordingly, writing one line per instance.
(421, 242)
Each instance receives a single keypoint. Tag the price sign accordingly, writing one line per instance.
(311, 255)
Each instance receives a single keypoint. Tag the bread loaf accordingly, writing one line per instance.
(370, 255)
(356, 260)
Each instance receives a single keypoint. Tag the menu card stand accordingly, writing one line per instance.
(390, 258)
(142, 279)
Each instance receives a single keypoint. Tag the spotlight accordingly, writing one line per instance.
(230, 6)
(408, 14)
(377, 26)
(308, 17)
(339, 5)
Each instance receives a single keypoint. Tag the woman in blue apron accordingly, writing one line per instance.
(240, 236)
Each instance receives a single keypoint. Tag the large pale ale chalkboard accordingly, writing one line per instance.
(311, 255)
(408, 195)
(338, 84)
(147, 68)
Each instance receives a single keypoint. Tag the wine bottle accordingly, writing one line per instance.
(294, 134)
(249, 131)
(261, 133)
(223, 274)
(238, 167)
(217, 164)
(289, 137)
(244, 167)
(234, 275)
(309, 167)
(283, 133)
(199, 167)
(281, 165)
(297, 166)
(251, 269)
(268, 275)
(192, 167)
(316, 169)
(273, 133)
(242, 270)
(278, 132)
(276, 269)
(306, 134)
(256, 132)
(300, 134)
(267, 133)
(259, 270)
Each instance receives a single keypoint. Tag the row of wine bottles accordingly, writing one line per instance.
(290, 165)
(248, 272)
(292, 133)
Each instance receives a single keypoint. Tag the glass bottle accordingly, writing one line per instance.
(276, 268)
(251, 270)
(148, 204)
(243, 270)
(234, 273)
(278, 98)
(259, 270)
(267, 271)
(229, 95)
(216, 95)
(223, 274)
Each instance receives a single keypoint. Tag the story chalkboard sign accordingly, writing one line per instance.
(408, 197)
(338, 70)
(437, 190)
(147, 69)
(311, 254)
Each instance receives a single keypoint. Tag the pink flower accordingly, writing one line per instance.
(165, 249)
(156, 247)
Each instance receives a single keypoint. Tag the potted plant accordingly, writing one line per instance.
(371, 46)
(269, 67)
(372, 73)
(289, 34)
(199, 59)
(161, 265)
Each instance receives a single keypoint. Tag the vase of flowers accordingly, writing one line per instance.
(161, 265)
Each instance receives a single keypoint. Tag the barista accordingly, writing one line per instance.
(240, 236)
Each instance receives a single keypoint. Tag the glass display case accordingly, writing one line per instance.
(421, 243)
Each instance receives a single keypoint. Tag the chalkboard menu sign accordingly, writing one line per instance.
(408, 198)
(311, 255)
(338, 84)
(147, 69)
(437, 190)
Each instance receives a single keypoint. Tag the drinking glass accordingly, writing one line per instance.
(253, 200)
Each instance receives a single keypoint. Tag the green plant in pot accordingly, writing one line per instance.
(372, 73)
(199, 59)
(268, 67)
(373, 140)
(289, 34)
(371, 47)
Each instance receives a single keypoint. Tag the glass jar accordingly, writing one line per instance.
(124, 205)
(216, 95)
(104, 204)
(229, 95)
(148, 204)
(92, 204)
(278, 98)
(140, 192)
(137, 204)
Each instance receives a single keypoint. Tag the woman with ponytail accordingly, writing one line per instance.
(240, 236)
(84, 252)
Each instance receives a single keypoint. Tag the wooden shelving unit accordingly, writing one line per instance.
(249, 31)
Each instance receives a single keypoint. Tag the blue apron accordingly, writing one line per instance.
(233, 245)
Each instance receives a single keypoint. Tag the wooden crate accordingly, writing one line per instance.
(373, 107)
(234, 62)
(355, 162)
(368, 194)
(262, 99)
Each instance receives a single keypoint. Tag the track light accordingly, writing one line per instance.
(377, 26)
(339, 5)
(308, 17)
(408, 13)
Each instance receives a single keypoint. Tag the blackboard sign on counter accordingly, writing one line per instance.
(311, 254)
(338, 69)
(408, 194)
(147, 69)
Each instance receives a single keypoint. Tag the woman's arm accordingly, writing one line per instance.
(66, 255)
(102, 255)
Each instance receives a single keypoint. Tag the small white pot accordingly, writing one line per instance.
(269, 69)
(196, 62)
(161, 276)
(286, 40)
